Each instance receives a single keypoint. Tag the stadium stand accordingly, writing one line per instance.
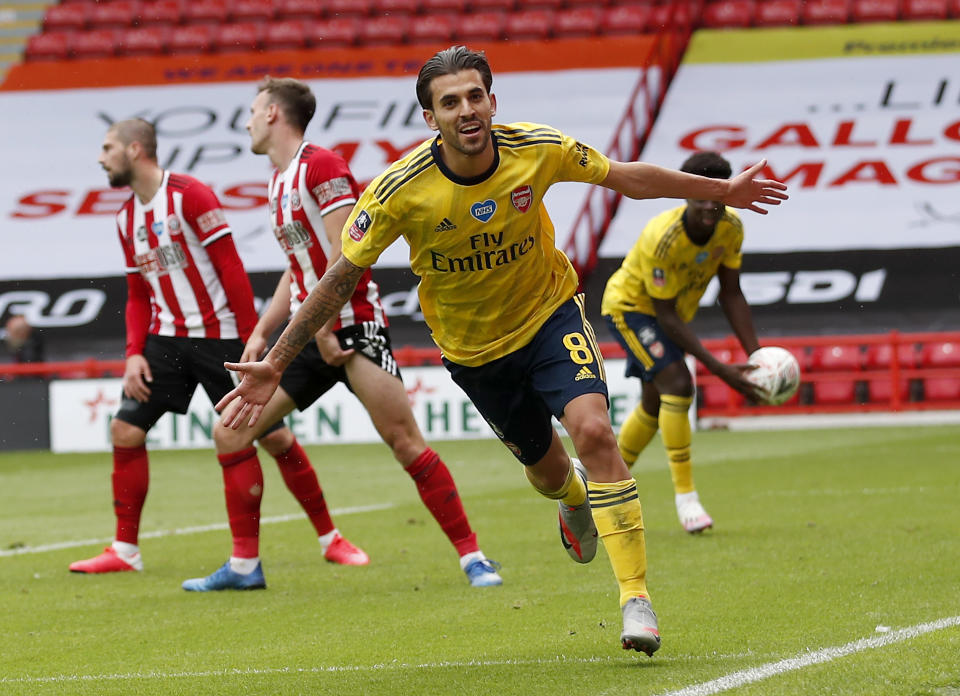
(435, 28)
(483, 26)
(721, 14)
(536, 24)
(288, 33)
(160, 12)
(237, 36)
(391, 22)
(384, 30)
(577, 21)
(777, 13)
(297, 10)
(339, 31)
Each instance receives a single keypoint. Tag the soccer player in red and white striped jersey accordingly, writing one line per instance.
(189, 309)
(311, 194)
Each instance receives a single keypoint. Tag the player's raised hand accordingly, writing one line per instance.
(258, 382)
(747, 192)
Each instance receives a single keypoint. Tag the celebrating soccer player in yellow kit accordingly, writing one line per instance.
(648, 303)
(501, 301)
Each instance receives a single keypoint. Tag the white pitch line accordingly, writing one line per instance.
(772, 669)
(329, 669)
(184, 530)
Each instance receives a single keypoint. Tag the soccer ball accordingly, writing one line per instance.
(777, 373)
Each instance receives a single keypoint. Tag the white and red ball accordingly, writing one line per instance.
(777, 373)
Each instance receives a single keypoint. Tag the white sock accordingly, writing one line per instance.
(328, 538)
(244, 566)
(125, 550)
(682, 498)
(468, 558)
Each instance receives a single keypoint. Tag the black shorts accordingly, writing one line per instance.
(520, 392)
(308, 377)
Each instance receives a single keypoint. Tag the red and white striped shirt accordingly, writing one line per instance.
(197, 288)
(317, 182)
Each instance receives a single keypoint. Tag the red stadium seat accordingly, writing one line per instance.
(492, 5)
(876, 10)
(165, 12)
(69, 17)
(446, 6)
(826, 12)
(719, 396)
(940, 354)
(540, 4)
(237, 36)
(119, 14)
(722, 14)
(205, 11)
(925, 9)
(384, 30)
(483, 26)
(836, 358)
(586, 3)
(408, 7)
(143, 41)
(941, 389)
(880, 390)
(777, 13)
(251, 10)
(98, 43)
(48, 45)
(192, 38)
(834, 392)
(286, 34)
(339, 31)
(298, 9)
(625, 19)
(348, 8)
(676, 15)
(577, 21)
(434, 28)
(880, 356)
(528, 24)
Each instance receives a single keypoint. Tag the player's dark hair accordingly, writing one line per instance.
(294, 98)
(708, 164)
(450, 62)
(137, 130)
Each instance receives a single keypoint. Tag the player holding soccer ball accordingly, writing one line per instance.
(648, 303)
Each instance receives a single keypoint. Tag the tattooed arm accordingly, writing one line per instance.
(259, 380)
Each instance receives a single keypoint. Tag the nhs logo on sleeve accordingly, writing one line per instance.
(483, 210)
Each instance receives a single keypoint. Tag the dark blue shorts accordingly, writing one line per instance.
(520, 392)
(178, 365)
(647, 346)
(308, 377)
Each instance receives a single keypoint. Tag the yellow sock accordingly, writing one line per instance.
(675, 433)
(635, 434)
(619, 520)
(572, 492)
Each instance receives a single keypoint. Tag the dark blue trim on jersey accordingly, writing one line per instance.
(384, 191)
(466, 180)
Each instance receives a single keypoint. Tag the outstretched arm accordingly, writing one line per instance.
(643, 180)
(260, 379)
(736, 309)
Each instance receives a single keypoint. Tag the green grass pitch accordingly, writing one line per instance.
(822, 538)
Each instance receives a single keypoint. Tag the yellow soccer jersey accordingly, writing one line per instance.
(490, 272)
(664, 264)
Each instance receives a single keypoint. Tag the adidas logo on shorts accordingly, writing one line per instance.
(585, 373)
